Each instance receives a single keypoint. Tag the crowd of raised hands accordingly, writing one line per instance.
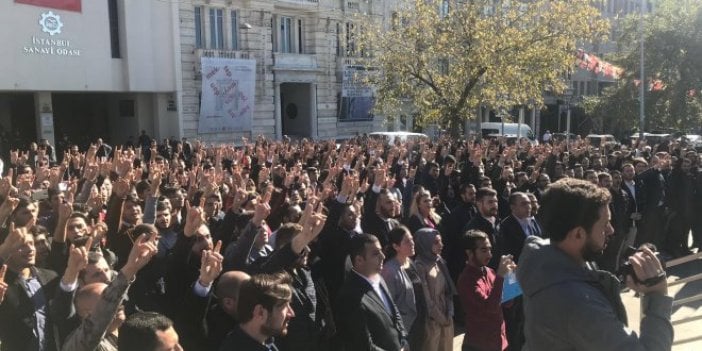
(172, 220)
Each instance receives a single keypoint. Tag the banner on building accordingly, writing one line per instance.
(356, 95)
(228, 91)
(68, 5)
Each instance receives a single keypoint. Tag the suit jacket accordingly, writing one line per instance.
(17, 318)
(362, 320)
(380, 228)
(511, 237)
(452, 232)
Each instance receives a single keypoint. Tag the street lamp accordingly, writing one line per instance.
(567, 96)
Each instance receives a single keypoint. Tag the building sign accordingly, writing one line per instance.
(50, 23)
(228, 91)
(68, 5)
(356, 96)
(49, 43)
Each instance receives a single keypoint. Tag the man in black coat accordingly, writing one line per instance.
(486, 220)
(517, 226)
(27, 312)
(452, 229)
(366, 316)
(264, 311)
(380, 220)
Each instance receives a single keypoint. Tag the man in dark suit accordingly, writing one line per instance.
(514, 229)
(452, 229)
(366, 316)
(103, 150)
(334, 247)
(486, 220)
(381, 219)
(517, 226)
(633, 188)
(27, 313)
(264, 312)
(652, 210)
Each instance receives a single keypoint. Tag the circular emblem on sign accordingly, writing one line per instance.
(50, 23)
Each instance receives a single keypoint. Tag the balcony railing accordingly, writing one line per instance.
(301, 2)
(295, 61)
(234, 54)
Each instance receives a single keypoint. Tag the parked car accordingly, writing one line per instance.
(508, 130)
(602, 140)
(651, 138)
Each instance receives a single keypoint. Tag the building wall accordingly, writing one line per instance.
(147, 62)
(318, 64)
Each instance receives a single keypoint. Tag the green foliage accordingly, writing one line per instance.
(673, 46)
(498, 53)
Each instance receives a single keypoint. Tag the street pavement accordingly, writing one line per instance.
(687, 318)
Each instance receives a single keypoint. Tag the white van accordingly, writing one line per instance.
(510, 130)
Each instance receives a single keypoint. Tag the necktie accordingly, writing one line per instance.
(533, 228)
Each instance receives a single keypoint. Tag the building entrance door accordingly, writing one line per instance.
(298, 110)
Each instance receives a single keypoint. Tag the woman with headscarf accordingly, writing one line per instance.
(438, 290)
(404, 285)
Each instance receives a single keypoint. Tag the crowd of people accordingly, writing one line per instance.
(319, 245)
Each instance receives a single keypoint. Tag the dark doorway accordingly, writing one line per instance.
(296, 109)
(17, 122)
(82, 117)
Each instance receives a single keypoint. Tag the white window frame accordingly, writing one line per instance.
(216, 16)
(199, 26)
(289, 35)
(234, 30)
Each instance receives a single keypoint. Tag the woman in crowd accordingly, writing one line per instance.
(422, 214)
(438, 290)
(404, 285)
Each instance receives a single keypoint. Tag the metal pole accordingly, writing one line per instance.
(519, 124)
(568, 128)
(560, 117)
(642, 88)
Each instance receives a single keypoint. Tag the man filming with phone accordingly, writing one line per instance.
(569, 306)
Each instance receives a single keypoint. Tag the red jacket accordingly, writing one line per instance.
(480, 291)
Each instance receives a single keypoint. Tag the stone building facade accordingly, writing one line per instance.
(300, 47)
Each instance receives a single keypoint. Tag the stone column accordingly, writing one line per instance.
(313, 109)
(44, 114)
(278, 116)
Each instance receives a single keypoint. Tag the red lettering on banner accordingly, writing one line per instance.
(68, 5)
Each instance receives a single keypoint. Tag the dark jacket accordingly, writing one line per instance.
(17, 319)
(363, 323)
(480, 223)
(452, 229)
(511, 237)
(240, 341)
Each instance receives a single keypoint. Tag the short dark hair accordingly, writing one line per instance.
(465, 187)
(603, 175)
(138, 333)
(357, 246)
(267, 290)
(484, 192)
(471, 239)
(142, 186)
(570, 203)
(514, 196)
